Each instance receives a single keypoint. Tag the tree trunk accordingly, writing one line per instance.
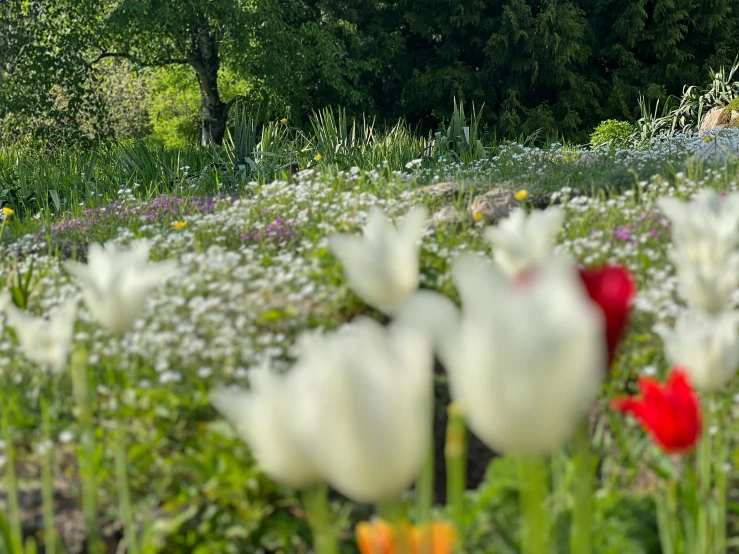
(215, 117)
(205, 60)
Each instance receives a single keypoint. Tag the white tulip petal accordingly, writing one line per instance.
(261, 417)
(529, 358)
(706, 346)
(45, 342)
(705, 248)
(381, 267)
(116, 282)
(523, 241)
(365, 408)
(433, 314)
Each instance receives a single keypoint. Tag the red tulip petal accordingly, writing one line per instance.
(669, 412)
(613, 289)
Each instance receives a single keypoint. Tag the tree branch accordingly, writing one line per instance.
(139, 61)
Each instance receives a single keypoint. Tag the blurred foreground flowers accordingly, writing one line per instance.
(527, 361)
(526, 353)
(380, 537)
(354, 411)
(526, 356)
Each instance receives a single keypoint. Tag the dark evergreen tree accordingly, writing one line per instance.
(557, 65)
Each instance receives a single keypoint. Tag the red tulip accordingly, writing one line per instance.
(613, 289)
(670, 413)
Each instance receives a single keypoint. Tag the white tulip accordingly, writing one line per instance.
(705, 248)
(263, 419)
(45, 342)
(115, 282)
(382, 265)
(527, 361)
(708, 288)
(706, 216)
(365, 406)
(706, 346)
(522, 241)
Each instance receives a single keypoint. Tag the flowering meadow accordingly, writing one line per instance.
(257, 366)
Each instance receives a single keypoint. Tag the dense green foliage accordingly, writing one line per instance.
(558, 65)
(611, 132)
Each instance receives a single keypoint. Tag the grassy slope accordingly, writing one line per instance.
(249, 284)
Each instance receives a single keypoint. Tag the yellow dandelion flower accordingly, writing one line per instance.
(521, 195)
(283, 120)
(477, 216)
(318, 157)
(179, 224)
(8, 211)
(707, 139)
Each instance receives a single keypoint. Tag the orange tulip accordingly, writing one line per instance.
(380, 537)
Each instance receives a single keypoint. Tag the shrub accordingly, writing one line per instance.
(612, 133)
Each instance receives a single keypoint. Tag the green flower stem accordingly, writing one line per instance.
(425, 495)
(455, 455)
(315, 500)
(124, 494)
(704, 475)
(425, 488)
(581, 536)
(392, 511)
(81, 388)
(668, 519)
(535, 519)
(722, 451)
(663, 524)
(47, 487)
(11, 482)
(721, 484)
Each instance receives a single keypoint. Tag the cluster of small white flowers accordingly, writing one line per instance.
(234, 304)
(601, 230)
(219, 310)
